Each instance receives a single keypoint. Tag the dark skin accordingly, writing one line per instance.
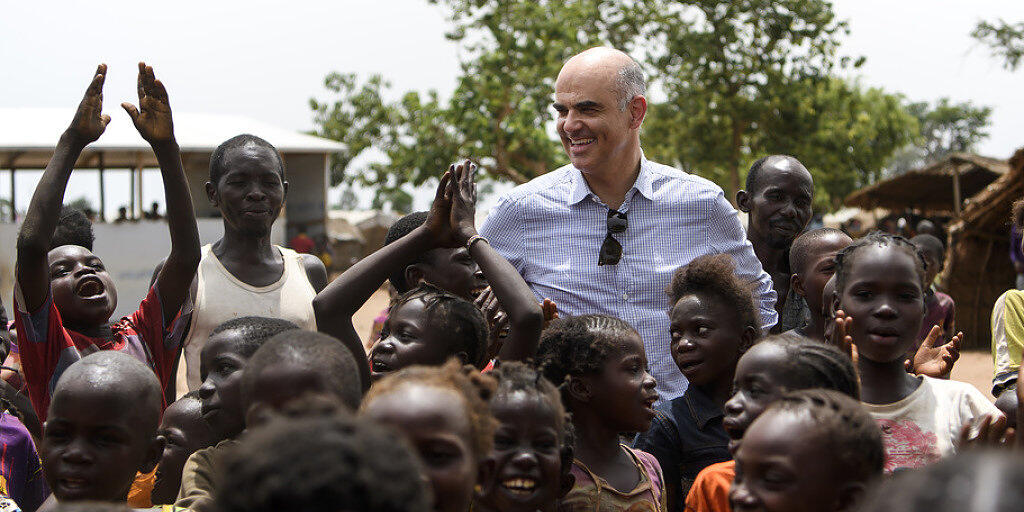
(618, 399)
(785, 465)
(779, 208)
(185, 431)
(82, 289)
(96, 438)
(809, 282)
(452, 270)
(527, 454)
(436, 423)
(449, 224)
(760, 380)
(221, 367)
(409, 340)
(706, 341)
(279, 384)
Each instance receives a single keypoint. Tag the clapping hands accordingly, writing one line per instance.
(89, 121)
(152, 118)
(452, 216)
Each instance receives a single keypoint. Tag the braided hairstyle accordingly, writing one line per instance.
(714, 274)
(845, 258)
(464, 323)
(853, 438)
(811, 364)
(579, 345)
(475, 388)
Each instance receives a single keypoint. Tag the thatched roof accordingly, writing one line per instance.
(930, 188)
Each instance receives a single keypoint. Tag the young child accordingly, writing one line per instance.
(775, 366)
(811, 450)
(322, 464)
(532, 444)
(880, 283)
(223, 358)
(294, 364)
(186, 432)
(714, 321)
(64, 295)
(443, 413)
(1008, 336)
(414, 332)
(102, 428)
(21, 473)
(600, 366)
(941, 310)
(812, 260)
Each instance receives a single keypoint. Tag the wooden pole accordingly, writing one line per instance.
(103, 189)
(14, 211)
(957, 198)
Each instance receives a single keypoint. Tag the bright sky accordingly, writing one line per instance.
(265, 59)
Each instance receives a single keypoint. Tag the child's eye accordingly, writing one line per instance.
(703, 331)
(502, 442)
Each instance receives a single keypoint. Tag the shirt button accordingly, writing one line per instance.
(625, 296)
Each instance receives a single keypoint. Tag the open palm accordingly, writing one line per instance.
(153, 117)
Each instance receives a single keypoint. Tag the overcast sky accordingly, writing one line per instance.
(265, 59)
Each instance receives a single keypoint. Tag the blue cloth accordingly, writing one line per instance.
(686, 436)
(551, 230)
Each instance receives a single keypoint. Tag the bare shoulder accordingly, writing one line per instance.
(315, 271)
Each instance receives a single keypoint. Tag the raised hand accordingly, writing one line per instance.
(839, 336)
(89, 121)
(937, 361)
(153, 116)
(462, 192)
(438, 222)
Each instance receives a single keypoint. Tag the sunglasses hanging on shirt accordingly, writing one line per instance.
(611, 249)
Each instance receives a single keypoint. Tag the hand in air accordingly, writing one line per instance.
(438, 222)
(153, 116)
(89, 121)
(462, 192)
(840, 337)
(937, 361)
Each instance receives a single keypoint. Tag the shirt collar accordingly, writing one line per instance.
(702, 408)
(644, 183)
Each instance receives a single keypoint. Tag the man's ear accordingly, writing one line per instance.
(637, 111)
(743, 201)
(154, 452)
(579, 389)
(211, 194)
(797, 285)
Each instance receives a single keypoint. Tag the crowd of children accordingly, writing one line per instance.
(475, 396)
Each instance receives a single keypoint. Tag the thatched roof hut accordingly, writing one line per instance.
(937, 188)
(978, 268)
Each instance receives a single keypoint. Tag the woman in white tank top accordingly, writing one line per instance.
(243, 274)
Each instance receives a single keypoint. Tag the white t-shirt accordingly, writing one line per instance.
(923, 427)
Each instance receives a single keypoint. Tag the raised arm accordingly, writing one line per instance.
(524, 313)
(153, 121)
(44, 209)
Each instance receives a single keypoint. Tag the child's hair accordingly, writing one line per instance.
(322, 464)
(877, 238)
(475, 388)
(91, 506)
(975, 481)
(321, 354)
(1017, 214)
(579, 345)
(459, 320)
(255, 331)
(714, 274)
(798, 251)
(929, 243)
(816, 365)
(854, 438)
(239, 141)
(73, 228)
(400, 228)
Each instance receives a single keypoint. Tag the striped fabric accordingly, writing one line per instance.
(551, 230)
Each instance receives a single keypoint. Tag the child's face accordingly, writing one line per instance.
(625, 388)
(250, 192)
(82, 289)
(784, 465)
(934, 260)
(221, 366)
(527, 453)
(278, 384)
(185, 432)
(454, 271)
(759, 381)
(706, 339)
(410, 341)
(94, 443)
(436, 423)
(883, 295)
(821, 266)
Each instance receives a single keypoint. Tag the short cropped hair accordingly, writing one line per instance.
(255, 331)
(798, 251)
(322, 464)
(630, 82)
(240, 141)
(929, 243)
(400, 228)
(715, 275)
(73, 228)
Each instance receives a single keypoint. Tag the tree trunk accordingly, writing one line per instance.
(734, 161)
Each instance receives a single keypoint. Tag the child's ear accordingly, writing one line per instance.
(743, 201)
(211, 194)
(797, 285)
(413, 276)
(748, 337)
(850, 496)
(154, 452)
(579, 389)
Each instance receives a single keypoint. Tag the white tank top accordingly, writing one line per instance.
(220, 297)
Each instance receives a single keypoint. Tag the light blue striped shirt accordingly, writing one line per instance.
(551, 229)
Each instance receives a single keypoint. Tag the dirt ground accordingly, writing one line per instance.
(973, 367)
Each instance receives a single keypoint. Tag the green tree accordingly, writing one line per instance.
(945, 128)
(1005, 40)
